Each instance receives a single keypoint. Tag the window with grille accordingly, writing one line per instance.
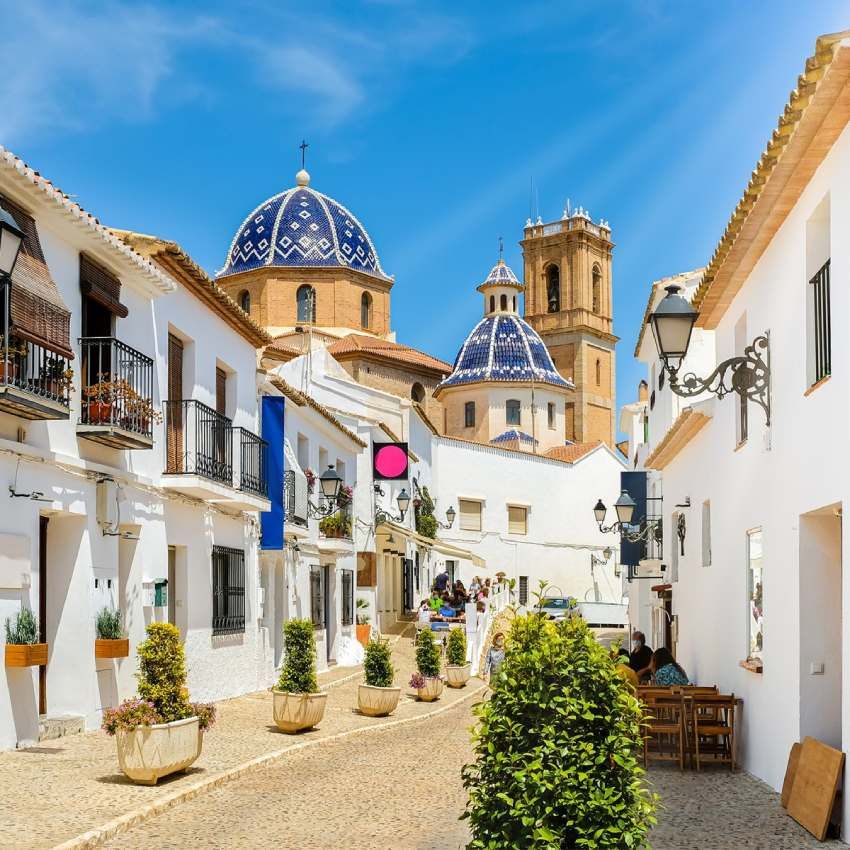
(517, 519)
(512, 411)
(228, 583)
(469, 414)
(347, 597)
(317, 597)
(470, 515)
(550, 414)
(523, 590)
(821, 355)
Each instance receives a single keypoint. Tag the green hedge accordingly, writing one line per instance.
(298, 675)
(377, 664)
(427, 654)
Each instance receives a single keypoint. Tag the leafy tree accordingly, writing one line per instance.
(426, 522)
(377, 664)
(556, 748)
(456, 647)
(427, 654)
(162, 672)
(299, 669)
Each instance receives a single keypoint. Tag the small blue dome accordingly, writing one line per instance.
(302, 228)
(502, 275)
(503, 348)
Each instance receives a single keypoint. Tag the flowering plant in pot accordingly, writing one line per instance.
(363, 628)
(110, 641)
(458, 669)
(345, 496)
(378, 697)
(297, 702)
(12, 351)
(56, 377)
(427, 680)
(160, 732)
(101, 396)
(311, 479)
(336, 525)
(139, 412)
(22, 646)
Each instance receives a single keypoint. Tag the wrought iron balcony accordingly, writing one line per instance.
(251, 455)
(117, 394)
(199, 441)
(34, 381)
(295, 499)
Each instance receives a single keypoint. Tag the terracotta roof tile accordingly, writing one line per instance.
(573, 452)
(355, 344)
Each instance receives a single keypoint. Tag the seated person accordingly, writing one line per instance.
(620, 657)
(665, 670)
(460, 590)
(447, 611)
(641, 654)
(424, 615)
(436, 601)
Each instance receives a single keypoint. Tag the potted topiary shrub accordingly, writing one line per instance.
(110, 641)
(560, 710)
(160, 732)
(363, 629)
(378, 697)
(427, 679)
(22, 646)
(458, 669)
(297, 702)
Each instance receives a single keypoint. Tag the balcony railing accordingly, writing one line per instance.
(199, 441)
(295, 498)
(31, 369)
(117, 387)
(251, 451)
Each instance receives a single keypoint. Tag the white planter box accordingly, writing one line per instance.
(432, 690)
(377, 702)
(457, 675)
(297, 712)
(149, 752)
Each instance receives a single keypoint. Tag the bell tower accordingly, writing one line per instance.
(568, 301)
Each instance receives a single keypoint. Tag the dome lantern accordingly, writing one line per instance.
(501, 290)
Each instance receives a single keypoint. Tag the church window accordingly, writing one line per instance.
(469, 414)
(503, 303)
(417, 392)
(366, 310)
(553, 289)
(305, 299)
(597, 289)
(598, 372)
(550, 413)
(245, 300)
(492, 303)
(512, 411)
(514, 303)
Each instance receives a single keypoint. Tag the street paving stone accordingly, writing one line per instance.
(66, 787)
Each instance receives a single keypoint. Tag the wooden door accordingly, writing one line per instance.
(42, 609)
(174, 408)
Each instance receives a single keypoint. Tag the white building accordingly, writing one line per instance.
(761, 602)
(107, 503)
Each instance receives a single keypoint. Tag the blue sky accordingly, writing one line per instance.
(428, 120)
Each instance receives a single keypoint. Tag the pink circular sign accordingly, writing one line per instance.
(391, 462)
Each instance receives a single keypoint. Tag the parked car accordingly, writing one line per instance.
(558, 607)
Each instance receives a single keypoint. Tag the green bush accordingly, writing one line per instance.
(427, 654)
(162, 672)
(299, 668)
(336, 525)
(456, 648)
(23, 629)
(108, 624)
(426, 525)
(378, 665)
(556, 748)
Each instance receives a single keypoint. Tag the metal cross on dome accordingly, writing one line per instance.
(303, 146)
(501, 247)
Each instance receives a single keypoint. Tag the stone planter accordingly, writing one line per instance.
(26, 654)
(364, 632)
(297, 712)
(147, 753)
(111, 647)
(432, 690)
(457, 675)
(377, 702)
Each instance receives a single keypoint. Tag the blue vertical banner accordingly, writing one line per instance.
(271, 522)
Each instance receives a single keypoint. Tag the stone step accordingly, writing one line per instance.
(51, 727)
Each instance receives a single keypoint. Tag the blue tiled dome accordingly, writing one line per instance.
(502, 275)
(302, 228)
(503, 348)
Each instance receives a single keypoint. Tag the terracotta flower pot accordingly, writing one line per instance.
(26, 654)
(297, 712)
(111, 648)
(377, 702)
(457, 675)
(364, 632)
(432, 690)
(147, 753)
(100, 412)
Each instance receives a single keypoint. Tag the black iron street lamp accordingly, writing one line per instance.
(748, 374)
(11, 239)
(624, 508)
(330, 483)
(382, 515)
(450, 518)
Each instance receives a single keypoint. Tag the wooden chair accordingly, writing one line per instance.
(713, 725)
(665, 737)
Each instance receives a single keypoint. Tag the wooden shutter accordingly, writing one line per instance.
(220, 391)
(470, 515)
(174, 407)
(517, 520)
